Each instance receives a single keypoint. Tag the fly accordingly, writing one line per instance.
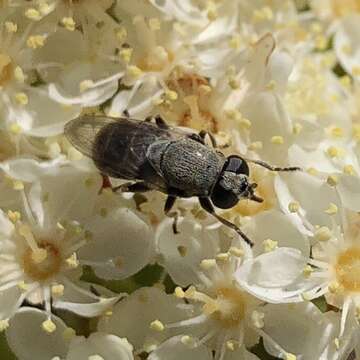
(155, 156)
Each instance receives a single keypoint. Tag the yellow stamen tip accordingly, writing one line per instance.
(48, 326)
(157, 325)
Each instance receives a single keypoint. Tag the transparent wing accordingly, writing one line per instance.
(82, 131)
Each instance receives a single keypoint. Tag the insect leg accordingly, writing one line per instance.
(132, 187)
(203, 134)
(170, 201)
(274, 168)
(207, 206)
(160, 122)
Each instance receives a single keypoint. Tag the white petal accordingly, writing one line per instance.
(174, 349)
(183, 252)
(121, 241)
(133, 315)
(348, 36)
(348, 188)
(275, 276)
(278, 227)
(27, 339)
(48, 117)
(109, 347)
(79, 299)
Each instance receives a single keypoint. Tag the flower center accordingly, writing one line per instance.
(6, 69)
(42, 263)
(227, 305)
(231, 307)
(155, 60)
(344, 7)
(192, 107)
(347, 269)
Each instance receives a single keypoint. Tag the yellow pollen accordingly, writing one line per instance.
(95, 357)
(48, 326)
(44, 8)
(297, 128)
(154, 24)
(36, 41)
(72, 261)
(332, 209)
(270, 245)
(182, 250)
(121, 34)
(13, 216)
(306, 296)
(356, 132)
(277, 140)
(323, 233)
(68, 23)
(19, 74)
(237, 252)
(207, 264)
(245, 123)
(321, 42)
(222, 257)
(356, 70)
(18, 185)
(345, 81)
(257, 318)
(211, 11)
(179, 292)
(271, 85)
(188, 341)
(289, 356)
(235, 42)
(337, 343)
(294, 206)
(312, 171)
(335, 287)
(125, 54)
(86, 85)
(33, 14)
(11, 27)
(134, 71)
(21, 98)
(4, 324)
(232, 345)
(171, 95)
(57, 290)
(256, 145)
(39, 255)
(347, 269)
(308, 270)
(157, 325)
(335, 152)
(332, 180)
(349, 170)
(68, 334)
(22, 286)
(337, 132)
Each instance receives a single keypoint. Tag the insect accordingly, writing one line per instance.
(173, 160)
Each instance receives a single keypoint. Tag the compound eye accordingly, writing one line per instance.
(237, 165)
(222, 198)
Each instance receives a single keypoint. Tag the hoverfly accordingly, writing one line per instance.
(173, 160)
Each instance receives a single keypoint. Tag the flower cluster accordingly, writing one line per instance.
(91, 274)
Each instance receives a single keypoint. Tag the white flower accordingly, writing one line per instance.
(60, 213)
(225, 316)
(25, 109)
(25, 331)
